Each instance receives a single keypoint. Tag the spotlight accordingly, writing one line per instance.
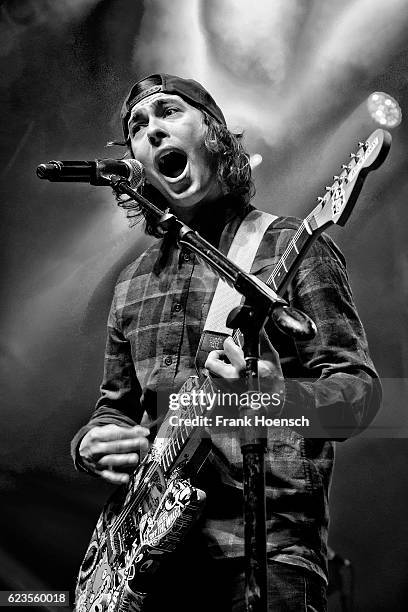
(255, 160)
(384, 109)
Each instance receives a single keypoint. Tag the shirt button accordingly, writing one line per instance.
(177, 307)
(168, 360)
(186, 256)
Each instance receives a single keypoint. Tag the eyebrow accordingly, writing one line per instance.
(156, 104)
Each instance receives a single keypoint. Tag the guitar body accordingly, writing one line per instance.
(130, 540)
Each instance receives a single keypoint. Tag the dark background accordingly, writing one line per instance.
(296, 75)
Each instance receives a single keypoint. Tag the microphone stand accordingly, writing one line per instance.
(264, 298)
(253, 439)
(261, 302)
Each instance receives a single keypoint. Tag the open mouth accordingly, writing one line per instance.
(172, 164)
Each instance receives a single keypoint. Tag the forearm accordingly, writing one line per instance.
(337, 407)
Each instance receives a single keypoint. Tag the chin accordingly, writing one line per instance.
(186, 200)
(188, 197)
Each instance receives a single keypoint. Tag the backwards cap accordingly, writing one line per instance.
(192, 91)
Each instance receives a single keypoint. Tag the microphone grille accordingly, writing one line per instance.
(137, 173)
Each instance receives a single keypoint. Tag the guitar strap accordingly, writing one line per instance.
(242, 252)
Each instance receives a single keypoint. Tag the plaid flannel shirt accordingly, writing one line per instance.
(157, 316)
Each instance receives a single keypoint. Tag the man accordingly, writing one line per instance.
(195, 166)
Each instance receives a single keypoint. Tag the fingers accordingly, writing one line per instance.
(216, 365)
(111, 450)
(228, 363)
(114, 477)
(115, 432)
(114, 468)
(112, 461)
(99, 449)
(234, 353)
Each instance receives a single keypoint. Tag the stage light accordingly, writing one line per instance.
(384, 109)
(255, 160)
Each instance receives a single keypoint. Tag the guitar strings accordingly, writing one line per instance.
(276, 271)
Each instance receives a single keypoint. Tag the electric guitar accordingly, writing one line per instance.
(147, 518)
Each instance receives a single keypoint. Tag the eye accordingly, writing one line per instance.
(135, 127)
(171, 110)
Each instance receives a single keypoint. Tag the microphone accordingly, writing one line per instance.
(97, 172)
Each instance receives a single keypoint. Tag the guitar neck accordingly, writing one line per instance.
(290, 260)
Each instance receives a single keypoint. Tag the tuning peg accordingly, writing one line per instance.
(353, 156)
(320, 199)
(362, 144)
(328, 188)
(336, 178)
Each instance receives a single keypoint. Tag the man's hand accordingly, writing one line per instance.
(111, 451)
(230, 364)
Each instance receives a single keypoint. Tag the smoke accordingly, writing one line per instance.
(33, 12)
(256, 43)
(171, 39)
(19, 18)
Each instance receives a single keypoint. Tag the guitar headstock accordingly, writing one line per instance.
(337, 204)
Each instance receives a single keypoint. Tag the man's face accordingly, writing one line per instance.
(167, 137)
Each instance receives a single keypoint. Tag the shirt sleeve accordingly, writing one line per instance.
(120, 391)
(339, 390)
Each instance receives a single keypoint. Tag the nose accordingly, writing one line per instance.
(156, 132)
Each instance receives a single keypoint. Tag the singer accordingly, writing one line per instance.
(199, 169)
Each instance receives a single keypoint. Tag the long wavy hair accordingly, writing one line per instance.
(230, 163)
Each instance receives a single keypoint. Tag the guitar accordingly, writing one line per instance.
(147, 518)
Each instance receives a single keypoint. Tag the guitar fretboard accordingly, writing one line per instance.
(286, 267)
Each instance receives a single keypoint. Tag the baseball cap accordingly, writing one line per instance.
(192, 91)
